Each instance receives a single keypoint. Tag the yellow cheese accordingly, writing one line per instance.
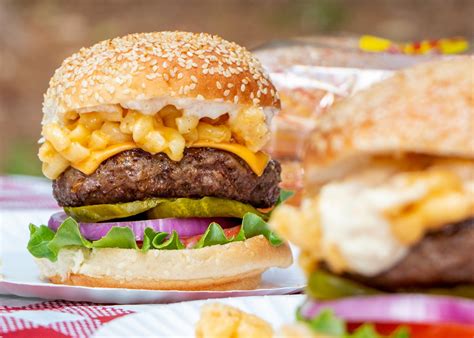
(256, 161)
(445, 198)
(446, 201)
(89, 165)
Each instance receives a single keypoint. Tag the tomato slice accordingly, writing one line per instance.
(189, 242)
(440, 330)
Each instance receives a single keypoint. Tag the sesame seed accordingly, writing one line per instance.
(115, 65)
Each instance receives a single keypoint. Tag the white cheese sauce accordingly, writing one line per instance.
(352, 219)
(191, 107)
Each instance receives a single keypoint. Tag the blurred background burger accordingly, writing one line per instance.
(389, 182)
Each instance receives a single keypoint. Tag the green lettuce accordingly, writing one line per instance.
(45, 243)
(252, 226)
(326, 323)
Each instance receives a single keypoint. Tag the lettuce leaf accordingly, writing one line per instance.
(252, 226)
(328, 324)
(45, 243)
(284, 195)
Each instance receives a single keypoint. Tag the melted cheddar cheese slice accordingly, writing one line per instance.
(256, 161)
(89, 165)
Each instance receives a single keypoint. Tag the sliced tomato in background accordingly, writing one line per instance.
(441, 330)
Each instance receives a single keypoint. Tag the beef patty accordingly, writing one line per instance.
(135, 175)
(442, 258)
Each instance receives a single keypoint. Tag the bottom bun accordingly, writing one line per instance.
(233, 266)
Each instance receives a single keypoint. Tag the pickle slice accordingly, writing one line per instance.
(104, 212)
(164, 208)
(324, 285)
(203, 207)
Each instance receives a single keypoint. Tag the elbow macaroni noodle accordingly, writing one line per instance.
(84, 135)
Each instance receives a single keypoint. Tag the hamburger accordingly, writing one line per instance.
(390, 188)
(154, 145)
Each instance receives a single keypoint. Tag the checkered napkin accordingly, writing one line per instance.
(25, 192)
(51, 319)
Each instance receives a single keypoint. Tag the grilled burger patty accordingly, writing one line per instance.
(441, 259)
(136, 175)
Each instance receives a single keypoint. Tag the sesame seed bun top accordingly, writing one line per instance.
(427, 109)
(158, 65)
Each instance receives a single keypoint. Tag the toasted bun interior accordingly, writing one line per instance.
(235, 265)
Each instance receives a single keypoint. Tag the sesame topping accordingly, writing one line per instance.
(115, 68)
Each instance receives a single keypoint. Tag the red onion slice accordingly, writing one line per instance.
(185, 227)
(409, 308)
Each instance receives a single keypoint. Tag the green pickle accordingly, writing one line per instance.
(104, 212)
(203, 207)
(324, 285)
(164, 208)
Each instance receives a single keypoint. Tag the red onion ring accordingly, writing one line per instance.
(410, 308)
(185, 227)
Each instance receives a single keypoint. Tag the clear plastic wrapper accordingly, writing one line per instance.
(311, 75)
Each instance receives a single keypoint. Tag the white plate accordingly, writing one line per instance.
(20, 274)
(179, 320)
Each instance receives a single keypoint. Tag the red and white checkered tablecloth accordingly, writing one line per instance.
(25, 192)
(52, 319)
(39, 318)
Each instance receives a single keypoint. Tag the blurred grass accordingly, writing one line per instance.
(21, 159)
(324, 16)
